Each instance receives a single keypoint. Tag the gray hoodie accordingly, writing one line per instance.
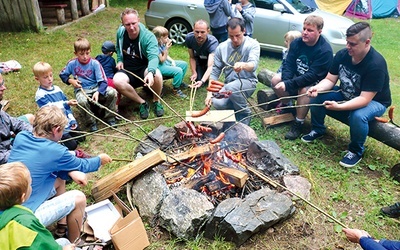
(219, 12)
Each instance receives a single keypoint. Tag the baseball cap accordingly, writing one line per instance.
(108, 46)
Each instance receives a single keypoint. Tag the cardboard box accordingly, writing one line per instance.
(101, 217)
(129, 233)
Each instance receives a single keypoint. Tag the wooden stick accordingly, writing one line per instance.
(275, 184)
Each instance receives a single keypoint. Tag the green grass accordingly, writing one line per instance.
(354, 196)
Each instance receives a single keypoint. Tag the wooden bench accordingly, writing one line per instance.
(59, 7)
(386, 133)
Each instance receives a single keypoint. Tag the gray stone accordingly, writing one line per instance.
(297, 184)
(146, 146)
(148, 193)
(184, 212)
(239, 134)
(237, 220)
(163, 135)
(267, 156)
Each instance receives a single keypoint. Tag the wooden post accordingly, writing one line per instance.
(85, 7)
(74, 9)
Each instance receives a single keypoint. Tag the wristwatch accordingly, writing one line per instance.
(153, 72)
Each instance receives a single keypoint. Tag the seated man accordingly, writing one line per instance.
(307, 62)
(201, 47)
(10, 126)
(137, 56)
(364, 95)
(242, 54)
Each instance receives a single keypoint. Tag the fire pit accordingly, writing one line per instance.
(214, 190)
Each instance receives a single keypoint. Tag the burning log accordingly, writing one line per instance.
(198, 183)
(236, 177)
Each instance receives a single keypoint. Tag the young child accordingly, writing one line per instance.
(168, 66)
(289, 37)
(50, 165)
(247, 12)
(109, 65)
(19, 221)
(49, 94)
(89, 79)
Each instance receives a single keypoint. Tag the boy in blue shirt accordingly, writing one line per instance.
(49, 94)
(89, 79)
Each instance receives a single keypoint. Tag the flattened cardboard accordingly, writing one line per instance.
(101, 217)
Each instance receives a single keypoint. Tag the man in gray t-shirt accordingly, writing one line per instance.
(201, 47)
(238, 59)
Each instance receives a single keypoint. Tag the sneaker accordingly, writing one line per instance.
(392, 211)
(144, 110)
(93, 127)
(111, 122)
(310, 137)
(184, 85)
(295, 131)
(350, 160)
(179, 93)
(158, 109)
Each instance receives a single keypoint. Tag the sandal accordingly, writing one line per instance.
(61, 230)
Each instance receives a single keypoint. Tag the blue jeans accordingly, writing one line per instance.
(177, 72)
(236, 100)
(357, 119)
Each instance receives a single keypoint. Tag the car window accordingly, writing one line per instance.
(300, 7)
(265, 4)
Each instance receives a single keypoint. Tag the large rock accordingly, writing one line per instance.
(267, 156)
(184, 212)
(148, 193)
(237, 220)
(298, 185)
(161, 137)
(239, 134)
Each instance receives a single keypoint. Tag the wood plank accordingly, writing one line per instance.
(193, 152)
(112, 182)
(278, 119)
(236, 177)
(213, 116)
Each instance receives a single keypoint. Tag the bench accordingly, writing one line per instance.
(386, 133)
(59, 7)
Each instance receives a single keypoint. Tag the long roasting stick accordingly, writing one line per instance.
(275, 184)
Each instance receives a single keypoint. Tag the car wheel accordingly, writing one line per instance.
(178, 29)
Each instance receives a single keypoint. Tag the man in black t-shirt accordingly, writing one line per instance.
(364, 91)
(137, 56)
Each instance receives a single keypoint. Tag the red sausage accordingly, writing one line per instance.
(192, 128)
(382, 119)
(217, 83)
(204, 129)
(201, 113)
(213, 89)
(218, 138)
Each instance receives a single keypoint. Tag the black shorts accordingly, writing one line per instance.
(133, 80)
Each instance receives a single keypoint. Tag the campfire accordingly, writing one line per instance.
(213, 189)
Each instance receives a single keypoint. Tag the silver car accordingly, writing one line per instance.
(273, 19)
